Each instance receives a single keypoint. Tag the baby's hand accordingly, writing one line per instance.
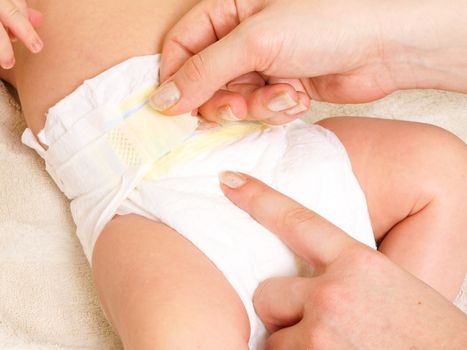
(17, 21)
(253, 96)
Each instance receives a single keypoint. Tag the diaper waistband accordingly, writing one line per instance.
(110, 141)
(92, 139)
(108, 88)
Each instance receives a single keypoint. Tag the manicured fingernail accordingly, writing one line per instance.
(297, 109)
(225, 113)
(166, 96)
(232, 179)
(281, 102)
(9, 64)
(36, 45)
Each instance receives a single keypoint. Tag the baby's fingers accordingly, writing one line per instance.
(18, 23)
(7, 58)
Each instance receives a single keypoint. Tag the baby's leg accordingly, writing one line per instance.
(415, 180)
(160, 292)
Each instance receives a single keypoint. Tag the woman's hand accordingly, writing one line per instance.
(359, 299)
(17, 21)
(344, 51)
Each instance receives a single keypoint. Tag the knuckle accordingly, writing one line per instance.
(330, 298)
(255, 205)
(13, 12)
(15, 19)
(195, 68)
(293, 219)
(253, 34)
(361, 259)
(21, 4)
(258, 40)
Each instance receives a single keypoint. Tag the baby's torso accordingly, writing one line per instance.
(84, 38)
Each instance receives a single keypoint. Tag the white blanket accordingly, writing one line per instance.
(47, 301)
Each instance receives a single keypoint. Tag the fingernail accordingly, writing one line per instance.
(36, 45)
(9, 64)
(297, 109)
(166, 96)
(232, 179)
(225, 113)
(281, 102)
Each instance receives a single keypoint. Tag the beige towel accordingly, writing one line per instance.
(47, 301)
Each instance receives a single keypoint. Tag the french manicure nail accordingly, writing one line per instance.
(281, 102)
(166, 96)
(225, 113)
(232, 179)
(297, 109)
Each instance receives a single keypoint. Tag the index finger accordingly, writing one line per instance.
(309, 235)
(207, 22)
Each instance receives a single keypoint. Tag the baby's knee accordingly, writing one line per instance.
(446, 162)
(445, 182)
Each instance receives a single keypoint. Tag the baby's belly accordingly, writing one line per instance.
(84, 38)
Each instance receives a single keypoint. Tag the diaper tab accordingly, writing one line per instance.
(30, 140)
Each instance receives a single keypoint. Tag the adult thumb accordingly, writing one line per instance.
(205, 73)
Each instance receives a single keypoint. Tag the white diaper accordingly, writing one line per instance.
(112, 154)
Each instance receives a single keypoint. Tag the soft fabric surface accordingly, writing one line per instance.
(47, 301)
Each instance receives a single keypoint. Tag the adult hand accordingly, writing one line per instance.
(17, 21)
(359, 299)
(349, 50)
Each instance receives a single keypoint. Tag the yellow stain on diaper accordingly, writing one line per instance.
(146, 136)
(202, 142)
(141, 134)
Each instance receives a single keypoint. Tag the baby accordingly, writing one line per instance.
(174, 263)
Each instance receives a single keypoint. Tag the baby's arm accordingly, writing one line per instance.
(414, 178)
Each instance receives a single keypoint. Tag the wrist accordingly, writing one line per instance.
(443, 70)
(426, 46)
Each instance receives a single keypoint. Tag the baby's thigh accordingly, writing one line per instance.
(403, 166)
(160, 292)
